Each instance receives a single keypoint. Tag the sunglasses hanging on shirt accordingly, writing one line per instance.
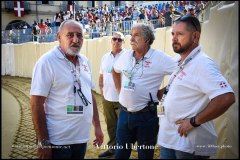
(82, 96)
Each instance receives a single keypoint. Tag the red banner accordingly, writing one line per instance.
(18, 9)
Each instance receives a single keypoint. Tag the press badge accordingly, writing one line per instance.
(128, 85)
(75, 110)
(109, 70)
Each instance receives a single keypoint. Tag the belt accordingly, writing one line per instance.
(145, 109)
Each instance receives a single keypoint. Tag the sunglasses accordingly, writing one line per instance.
(190, 19)
(117, 39)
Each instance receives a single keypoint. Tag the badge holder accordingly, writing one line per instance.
(160, 110)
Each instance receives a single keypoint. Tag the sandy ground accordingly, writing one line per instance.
(21, 144)
(10, 119)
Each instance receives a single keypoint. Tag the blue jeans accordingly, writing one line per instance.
(141, 127)
(73, 151)
(166, 153)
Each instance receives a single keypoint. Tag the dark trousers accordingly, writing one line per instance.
(139, 127)
(73, 151)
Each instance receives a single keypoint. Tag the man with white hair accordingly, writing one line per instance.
(137, 75)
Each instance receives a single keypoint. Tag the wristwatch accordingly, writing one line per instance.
(193, 122)
(44, 143)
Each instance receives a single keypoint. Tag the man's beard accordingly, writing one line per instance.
(71, 52)
(181, 49)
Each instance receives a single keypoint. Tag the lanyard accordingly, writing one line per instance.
(75, 71)
(137, 65)
(181, 67)
(76, 77)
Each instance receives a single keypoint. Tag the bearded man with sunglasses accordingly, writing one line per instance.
(137, 75)
(110, 101)
(196, 94)
(62, 104)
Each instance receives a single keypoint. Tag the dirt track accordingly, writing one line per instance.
(24, 139)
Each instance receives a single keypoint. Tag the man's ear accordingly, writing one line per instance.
(196, 36)
(58, 36)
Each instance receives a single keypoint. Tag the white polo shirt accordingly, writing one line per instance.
(147, 76)
(109, 89)
(52, 78)
(190, 92)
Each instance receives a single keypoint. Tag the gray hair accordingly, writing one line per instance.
(147, 32)
(119, 33)
(70, 20)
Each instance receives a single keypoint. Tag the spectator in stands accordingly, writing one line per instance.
(192, 12)
(58, 19)
(161, 20)
(48, 22)
(135, 15)
(24, 27)
(188, 6)
(128, 17)
(147, 13)
(154, 13)
(110, 100)
(137, 75)
(197, 93)
(142, 16)
(62, 103)
(43, 27)
(184, 12)
(35, 31)
(170, 16)
(163, 11)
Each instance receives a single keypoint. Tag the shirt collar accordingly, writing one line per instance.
(110, 53)
(194, 51)
(148, 54)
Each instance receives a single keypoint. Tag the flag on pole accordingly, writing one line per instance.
(18, 9)
(71, 6)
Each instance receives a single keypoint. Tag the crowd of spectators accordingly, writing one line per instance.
(100, 21)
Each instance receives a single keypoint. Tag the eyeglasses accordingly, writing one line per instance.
(192, 20)
(117, 39)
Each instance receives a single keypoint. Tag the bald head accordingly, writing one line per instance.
(70, 37)
(69, 22)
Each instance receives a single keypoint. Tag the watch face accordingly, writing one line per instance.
(45, 142)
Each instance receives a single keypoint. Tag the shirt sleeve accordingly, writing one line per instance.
(120, 63)
(170, 64)
(41, 79)
(210, 80)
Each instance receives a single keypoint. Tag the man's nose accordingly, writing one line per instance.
(174, 38)
(75, 38)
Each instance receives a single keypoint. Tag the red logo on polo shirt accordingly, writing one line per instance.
(85, 67)
(147, 63)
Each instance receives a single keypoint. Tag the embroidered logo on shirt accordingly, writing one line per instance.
(181, 75)
(85, 67)
(147, 63)
(223, 84)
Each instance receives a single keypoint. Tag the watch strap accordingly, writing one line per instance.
(193, 122)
